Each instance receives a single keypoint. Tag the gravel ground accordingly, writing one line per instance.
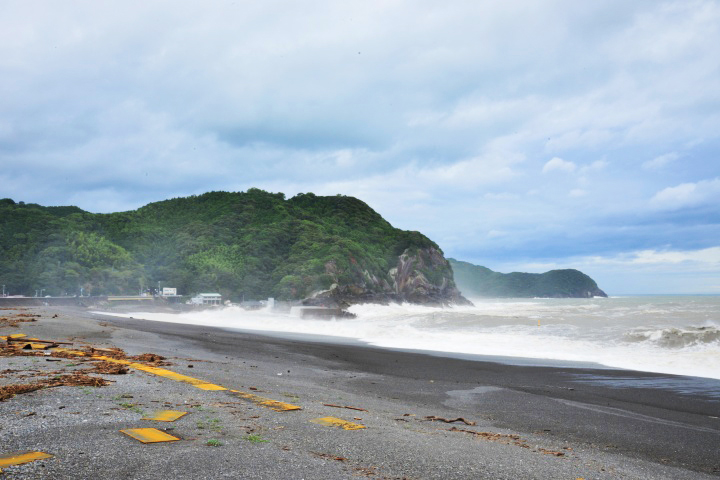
(225, 436)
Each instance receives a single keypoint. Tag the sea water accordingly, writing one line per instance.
(666, 334)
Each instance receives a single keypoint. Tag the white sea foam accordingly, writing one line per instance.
(677, 335)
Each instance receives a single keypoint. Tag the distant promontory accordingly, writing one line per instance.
(477, 281)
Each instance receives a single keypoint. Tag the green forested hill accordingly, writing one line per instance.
(253, 244)
(477, 281)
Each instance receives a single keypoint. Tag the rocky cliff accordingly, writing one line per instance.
(421, 276)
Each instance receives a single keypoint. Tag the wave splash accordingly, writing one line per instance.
(676, 338)
(654, 335)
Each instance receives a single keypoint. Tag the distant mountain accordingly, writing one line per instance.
(252, 245)
(477, 281)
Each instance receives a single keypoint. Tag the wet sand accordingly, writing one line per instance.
(531, 422)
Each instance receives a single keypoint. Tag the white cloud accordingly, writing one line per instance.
(660, 161)
(557, 163)
(687, 195)
(496, 233)
(577, 192)
(708, 257)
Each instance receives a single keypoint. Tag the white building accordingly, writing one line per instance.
(207, 299)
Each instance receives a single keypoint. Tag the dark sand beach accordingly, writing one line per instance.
(529, 422)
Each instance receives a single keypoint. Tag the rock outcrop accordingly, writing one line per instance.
(421, 276)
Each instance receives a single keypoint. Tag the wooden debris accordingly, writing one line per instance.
(109, 368)
(506, 439)
(76, 379)
(329, 456)
(433, 418)
(345, 406)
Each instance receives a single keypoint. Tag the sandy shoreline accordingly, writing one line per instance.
(603, 423)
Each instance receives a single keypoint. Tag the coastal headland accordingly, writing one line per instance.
(423, 416)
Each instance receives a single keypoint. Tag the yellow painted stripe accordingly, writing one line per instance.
(201, 384)
(266, 402)
(337, 422)
(162, 372)
(166, 415)
(18, 458)
(149, 435)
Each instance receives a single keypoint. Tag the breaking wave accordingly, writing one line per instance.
(677, 337)
(672, 335)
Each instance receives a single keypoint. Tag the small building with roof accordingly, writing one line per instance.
(207, 299)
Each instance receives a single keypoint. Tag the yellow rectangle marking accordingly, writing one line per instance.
(18, 458)
(149, 435)
(337, 422)
(166, 415)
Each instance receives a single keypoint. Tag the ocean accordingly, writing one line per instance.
(666, 334)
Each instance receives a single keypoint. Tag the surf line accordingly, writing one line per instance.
(195, 382)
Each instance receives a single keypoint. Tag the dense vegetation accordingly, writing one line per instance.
(251, 244)
(477, 281)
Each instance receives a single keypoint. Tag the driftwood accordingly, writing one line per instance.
(34, 340)
(345, 406)
(433, 418)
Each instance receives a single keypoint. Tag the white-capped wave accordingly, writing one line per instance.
(673, 337)
(612, 332)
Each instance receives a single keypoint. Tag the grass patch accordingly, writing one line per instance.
(212, 424)
(214, 442)
(132, 407)
(253, 438)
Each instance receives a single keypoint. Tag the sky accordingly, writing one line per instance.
(522, 136)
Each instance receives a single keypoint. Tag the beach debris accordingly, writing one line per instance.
(433, 418)
(76, 379)
(365, 471)
(149, 435)
(345, 406)
(551, 452)
(13, 320)
(109, 368)
(506, 439)
(329, 456)
(166, 415)
(338, 422)
(18, 458)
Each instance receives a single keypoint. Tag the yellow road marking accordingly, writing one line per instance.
(201, 384)
(13, 336)
(18, 458)
(149, 435)
(166, 415)
(266, 402)
(337, 422)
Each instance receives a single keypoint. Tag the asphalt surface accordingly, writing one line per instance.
(549, 422)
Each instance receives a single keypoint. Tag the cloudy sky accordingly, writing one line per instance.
(523, 135)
